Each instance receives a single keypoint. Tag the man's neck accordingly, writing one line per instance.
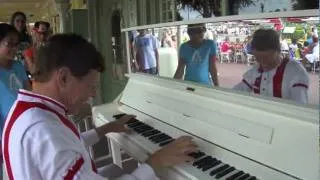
(196, 44)
(46, 89)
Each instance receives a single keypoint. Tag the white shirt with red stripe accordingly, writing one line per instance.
(289, 81)
(40, 143)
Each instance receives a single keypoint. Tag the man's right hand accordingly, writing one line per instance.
(173, 154)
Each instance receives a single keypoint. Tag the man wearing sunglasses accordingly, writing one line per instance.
(40, 36)
(197, 57)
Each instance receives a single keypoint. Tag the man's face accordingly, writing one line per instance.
(267, 59)
(78, 91)
(8, 46)
(197, 33)
(42, 33)
(142, 32)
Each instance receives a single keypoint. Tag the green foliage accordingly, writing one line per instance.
(298, 34)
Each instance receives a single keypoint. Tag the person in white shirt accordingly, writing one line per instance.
(40, 143)
(146, 46)
(274, 75)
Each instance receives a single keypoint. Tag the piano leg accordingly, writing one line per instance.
(115, 151)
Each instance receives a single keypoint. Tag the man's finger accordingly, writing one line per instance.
(185, 143)
(189, 149)
(126, 118)
(183, 138)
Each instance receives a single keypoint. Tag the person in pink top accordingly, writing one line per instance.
(225, 46)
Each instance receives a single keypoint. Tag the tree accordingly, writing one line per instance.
(305, 4)
(235, 5)
(207, 8)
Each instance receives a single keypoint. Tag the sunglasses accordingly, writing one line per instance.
(41, 32)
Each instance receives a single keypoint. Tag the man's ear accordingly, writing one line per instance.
(63, 75)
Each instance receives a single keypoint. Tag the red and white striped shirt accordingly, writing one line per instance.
(289, 81)
(40, 143)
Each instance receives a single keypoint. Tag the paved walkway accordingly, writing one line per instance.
(231, 74)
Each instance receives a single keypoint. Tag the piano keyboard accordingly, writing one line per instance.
(203, 162)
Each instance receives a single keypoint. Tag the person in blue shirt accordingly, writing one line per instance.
(197, 57)
(12, 73)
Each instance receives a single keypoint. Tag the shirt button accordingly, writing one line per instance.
(265, 79)
(263, 89)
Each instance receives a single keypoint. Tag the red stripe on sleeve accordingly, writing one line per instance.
(74, 169)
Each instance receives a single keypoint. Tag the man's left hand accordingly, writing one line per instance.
(119, 125)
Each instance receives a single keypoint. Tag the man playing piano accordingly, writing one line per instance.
(40, 143)
(274, 75)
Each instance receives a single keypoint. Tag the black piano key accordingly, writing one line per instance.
(197, 155)
(166, 142)
(225, 172)
(219, 169)
(157, 136)
(136, 124)
(147, 127)
(236, 175)
(213, 164)
(162, 139)
(203, 161)
(150, 133)
(252, 178)
(140, 127)
(118, 116)
(200, 161)
(132, 121)
(142, 130)
(209, 164)
(244, 177)
(206, 163)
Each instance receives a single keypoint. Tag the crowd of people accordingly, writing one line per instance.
(18, 56)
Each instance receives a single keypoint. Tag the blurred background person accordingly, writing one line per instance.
(147, 55)
(40, 36)
(19, 21)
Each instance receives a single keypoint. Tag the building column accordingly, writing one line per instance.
(63, 7)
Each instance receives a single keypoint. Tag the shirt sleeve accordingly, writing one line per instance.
(246, 83)
(155, 43)
(299, 85)
(90, 137)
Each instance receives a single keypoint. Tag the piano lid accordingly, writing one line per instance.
(273, 132)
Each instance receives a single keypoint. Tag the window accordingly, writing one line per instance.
(167, 11)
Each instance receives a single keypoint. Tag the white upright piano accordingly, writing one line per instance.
(240, 136)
